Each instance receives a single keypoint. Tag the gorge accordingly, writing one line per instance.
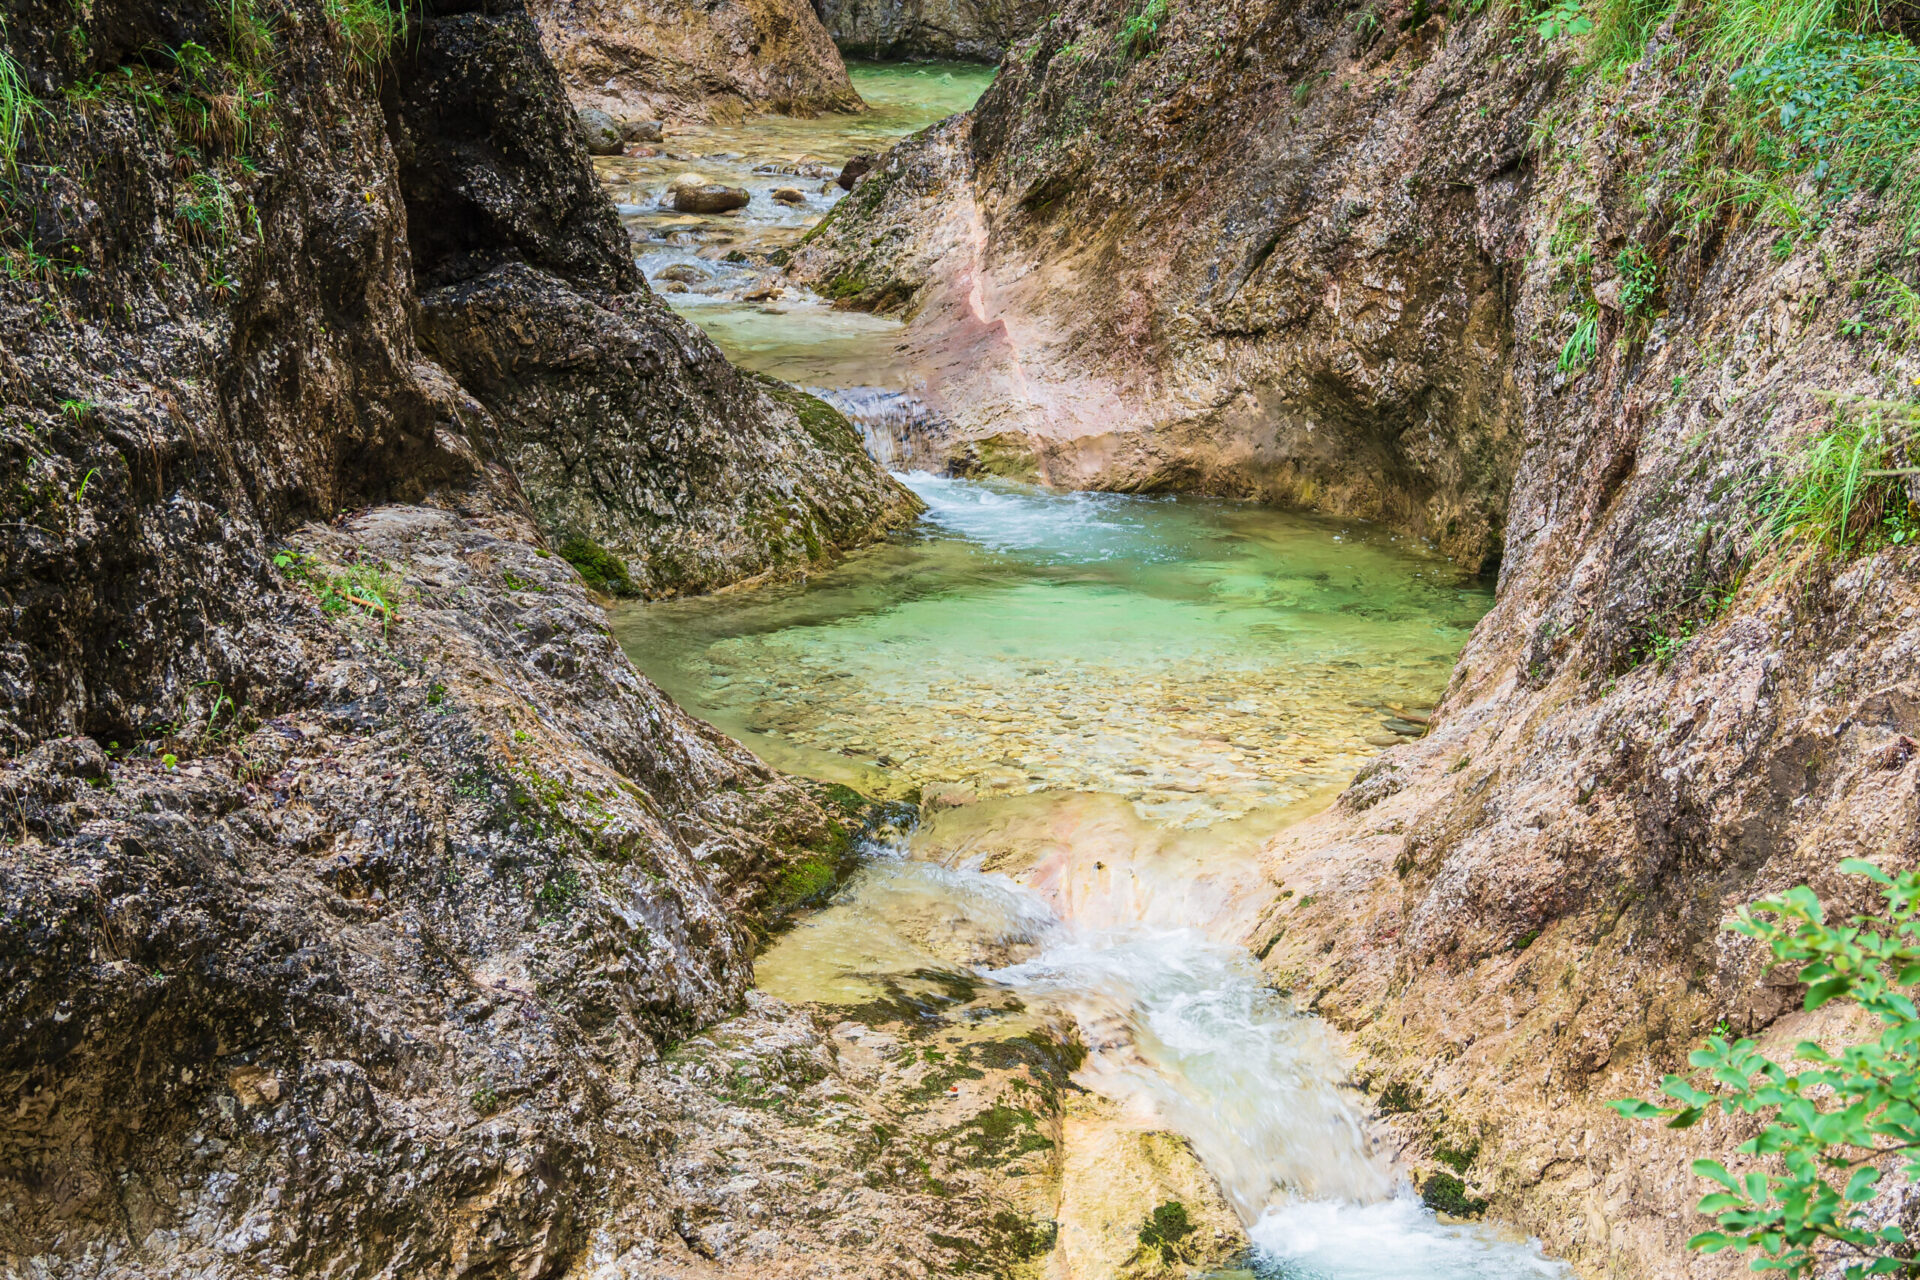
(1163, 657)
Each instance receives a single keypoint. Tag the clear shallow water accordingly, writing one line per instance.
(793, 333)
(1205, 660)
(1109, 701)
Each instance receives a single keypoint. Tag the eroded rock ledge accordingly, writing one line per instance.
(695, 59)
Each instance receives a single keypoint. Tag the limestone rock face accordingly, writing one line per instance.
(351, 873)
(1156, 268)
(965, 30)
(627, 428)
(623, 424)
(684, 60)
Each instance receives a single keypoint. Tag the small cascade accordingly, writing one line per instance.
(1181, 1029)
(898, 427)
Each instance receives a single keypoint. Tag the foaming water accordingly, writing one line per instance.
(1391, 1239)
(1181, 1030)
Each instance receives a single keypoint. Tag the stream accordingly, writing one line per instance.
(1106, 704)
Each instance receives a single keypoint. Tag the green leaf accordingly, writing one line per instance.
(1860, 1185)
(1827, 989)
(1861, 867)
(1714, 1171)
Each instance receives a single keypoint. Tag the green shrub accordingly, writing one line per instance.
(1639, 279)
(18, 106)
(369, 28)
(1848, 106)
(1799, 1205)
(1583, 343)
(1140, 33)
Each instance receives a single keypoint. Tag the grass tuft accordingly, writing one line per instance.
(18, 107)
(370, 29)
(1846, 492)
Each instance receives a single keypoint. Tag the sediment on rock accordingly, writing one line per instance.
(682, 60)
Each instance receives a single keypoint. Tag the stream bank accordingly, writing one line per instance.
(1106, 705)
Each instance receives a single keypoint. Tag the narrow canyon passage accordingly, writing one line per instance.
(1105, 703)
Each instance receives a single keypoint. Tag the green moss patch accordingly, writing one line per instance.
(1166, 1231)
(1445, 1193)
(602, 570)
(997, 1135)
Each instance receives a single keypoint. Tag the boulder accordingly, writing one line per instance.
(788, 195)
(641, 131)
(709, 197)
(684, 272)
(601, 133)
(854, 170)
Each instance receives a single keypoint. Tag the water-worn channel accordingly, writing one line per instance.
(1108, 704)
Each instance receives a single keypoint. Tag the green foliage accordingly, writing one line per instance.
(1664, 646)
(1639, 279)
(1561, 18)
(1739, 31)
(1848, 106)
(1831, 1130)
(364, 587)
(602, 570)
(369, 28)
(1840, 491)
(1166, 1230)
(209, 210)
(1899, 305)
(1140, 34)
(18, 107)
(1583, 343)
(224, 100)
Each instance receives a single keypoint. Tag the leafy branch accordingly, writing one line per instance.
(1834, 1128)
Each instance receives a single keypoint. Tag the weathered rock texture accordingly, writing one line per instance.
(1204, 278)
(967, 30)
(1298, 256)
(350, 876)
(623, 423)
(681, 60)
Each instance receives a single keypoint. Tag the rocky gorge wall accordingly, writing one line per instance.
(352, 880)
(676, 60)
(1386, 263)
(963, 30)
